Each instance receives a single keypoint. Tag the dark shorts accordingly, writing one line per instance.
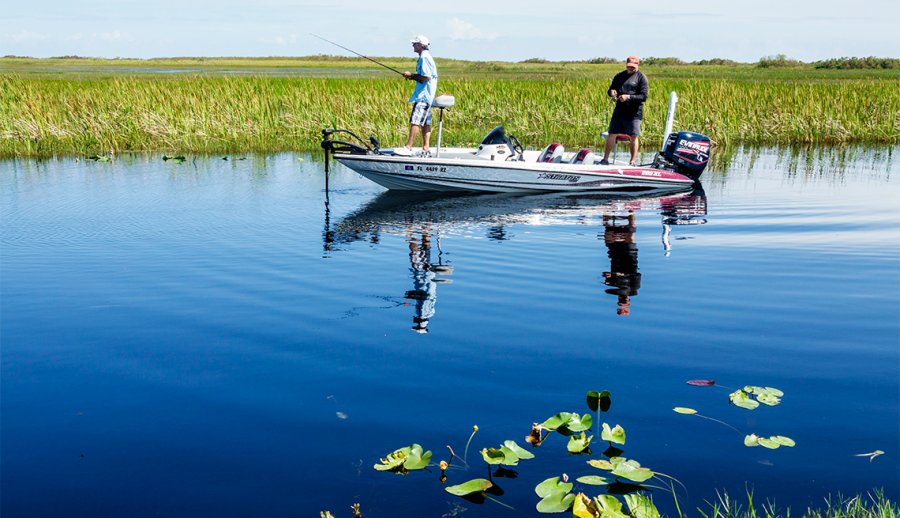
(627, 125)
(420, 114)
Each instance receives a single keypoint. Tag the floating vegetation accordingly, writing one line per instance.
(100, 158)
(701, 383)
(176, 159)
(477, 485)
(765, 395)
(599, 401)
(405, 459)
(871, 455)
(579, 443)
(773, 442)
(615, 434)
(691, 411)
(556, 496)
(624, 468)
(567, 423)
(507, 454)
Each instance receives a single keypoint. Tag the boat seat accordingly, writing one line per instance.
(584, 156)
(552, 153)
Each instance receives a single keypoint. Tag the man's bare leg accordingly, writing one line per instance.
(634, 150)
(413, 133)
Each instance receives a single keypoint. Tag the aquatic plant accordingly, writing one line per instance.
(556, 496)
(508, 454)
(405, 459)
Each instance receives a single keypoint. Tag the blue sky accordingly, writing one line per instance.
(465, 29)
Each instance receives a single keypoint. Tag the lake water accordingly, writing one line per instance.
(223, 337)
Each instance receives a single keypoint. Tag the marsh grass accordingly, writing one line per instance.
(78, 112)
(872, 505)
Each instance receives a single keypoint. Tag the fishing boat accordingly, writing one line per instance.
(501, 164)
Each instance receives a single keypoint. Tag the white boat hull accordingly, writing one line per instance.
(481, 175)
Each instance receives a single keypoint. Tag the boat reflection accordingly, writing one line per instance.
(423, 218)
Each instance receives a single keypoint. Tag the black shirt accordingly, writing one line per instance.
(637, 86)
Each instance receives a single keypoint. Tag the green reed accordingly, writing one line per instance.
(42, 116)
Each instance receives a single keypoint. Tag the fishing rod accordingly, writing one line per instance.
(358, 54)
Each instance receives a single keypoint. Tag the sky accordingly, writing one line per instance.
(808, 30)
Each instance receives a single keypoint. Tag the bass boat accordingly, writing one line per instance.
(501, 164)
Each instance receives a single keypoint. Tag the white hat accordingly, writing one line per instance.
(422, 39)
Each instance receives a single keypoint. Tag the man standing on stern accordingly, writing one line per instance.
(422, 97)
(629, 88)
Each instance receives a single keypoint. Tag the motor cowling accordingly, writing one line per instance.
(688, 152)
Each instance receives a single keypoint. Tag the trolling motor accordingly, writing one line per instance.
(345, 147)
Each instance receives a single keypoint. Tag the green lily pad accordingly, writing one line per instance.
(641, 506)
(518, 450)
(568, 422)
(616, 434)
(557, 421)
(494, 456)
(601, 464)
(416, 459)
(782, 440)
(552, 485)
(609, 506)
(598, 400)
(768, 399)
(774, 391)
(556, 503)
(751, 440)
(593, 480)
(405, 459)
(630, 469)
(742, 399)
(579, 443)
(683, 410)
(467, 488)
(768, 443)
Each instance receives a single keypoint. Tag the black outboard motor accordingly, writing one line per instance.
(687, 152)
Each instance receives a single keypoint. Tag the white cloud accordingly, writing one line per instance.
(462, 30)
(290, 39)
(23, 36)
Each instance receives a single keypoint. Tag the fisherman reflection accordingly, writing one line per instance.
(425, 281)
(623, 276)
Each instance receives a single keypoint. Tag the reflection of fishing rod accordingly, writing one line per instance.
(358, 54)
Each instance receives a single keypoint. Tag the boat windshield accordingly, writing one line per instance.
(497, 136)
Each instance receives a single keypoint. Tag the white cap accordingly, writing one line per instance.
(422, 39)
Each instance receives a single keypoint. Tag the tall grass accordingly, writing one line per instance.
(871, 505)
(42, 116)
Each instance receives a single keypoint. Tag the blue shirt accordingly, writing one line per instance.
(425, 91)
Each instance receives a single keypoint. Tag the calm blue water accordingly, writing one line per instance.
(213, 338)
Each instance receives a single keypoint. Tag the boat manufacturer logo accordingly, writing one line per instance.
(557, 176)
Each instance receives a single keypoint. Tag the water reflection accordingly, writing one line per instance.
(423, 218)
(425, 276)
(623, 275)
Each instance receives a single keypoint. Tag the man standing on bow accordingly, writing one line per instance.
(629, 88)
(426, 85)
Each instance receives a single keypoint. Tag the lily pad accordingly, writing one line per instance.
(751, 440)
(631, 470)
(641, 506)
(601, 464)
(518, 450)
(599, 400)
(477, 485)
(701, 383)
(556, 503)
(616, 434)
(768, 443)
(405, 459)
(498, 456)
(568, 422)
(552, 485)
(742, 399)
(768, 399)
(683, 410)
(593, 480)
(784, 441)
(579, 443)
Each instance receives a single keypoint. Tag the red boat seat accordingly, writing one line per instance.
(551, 153)
(584, 156)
